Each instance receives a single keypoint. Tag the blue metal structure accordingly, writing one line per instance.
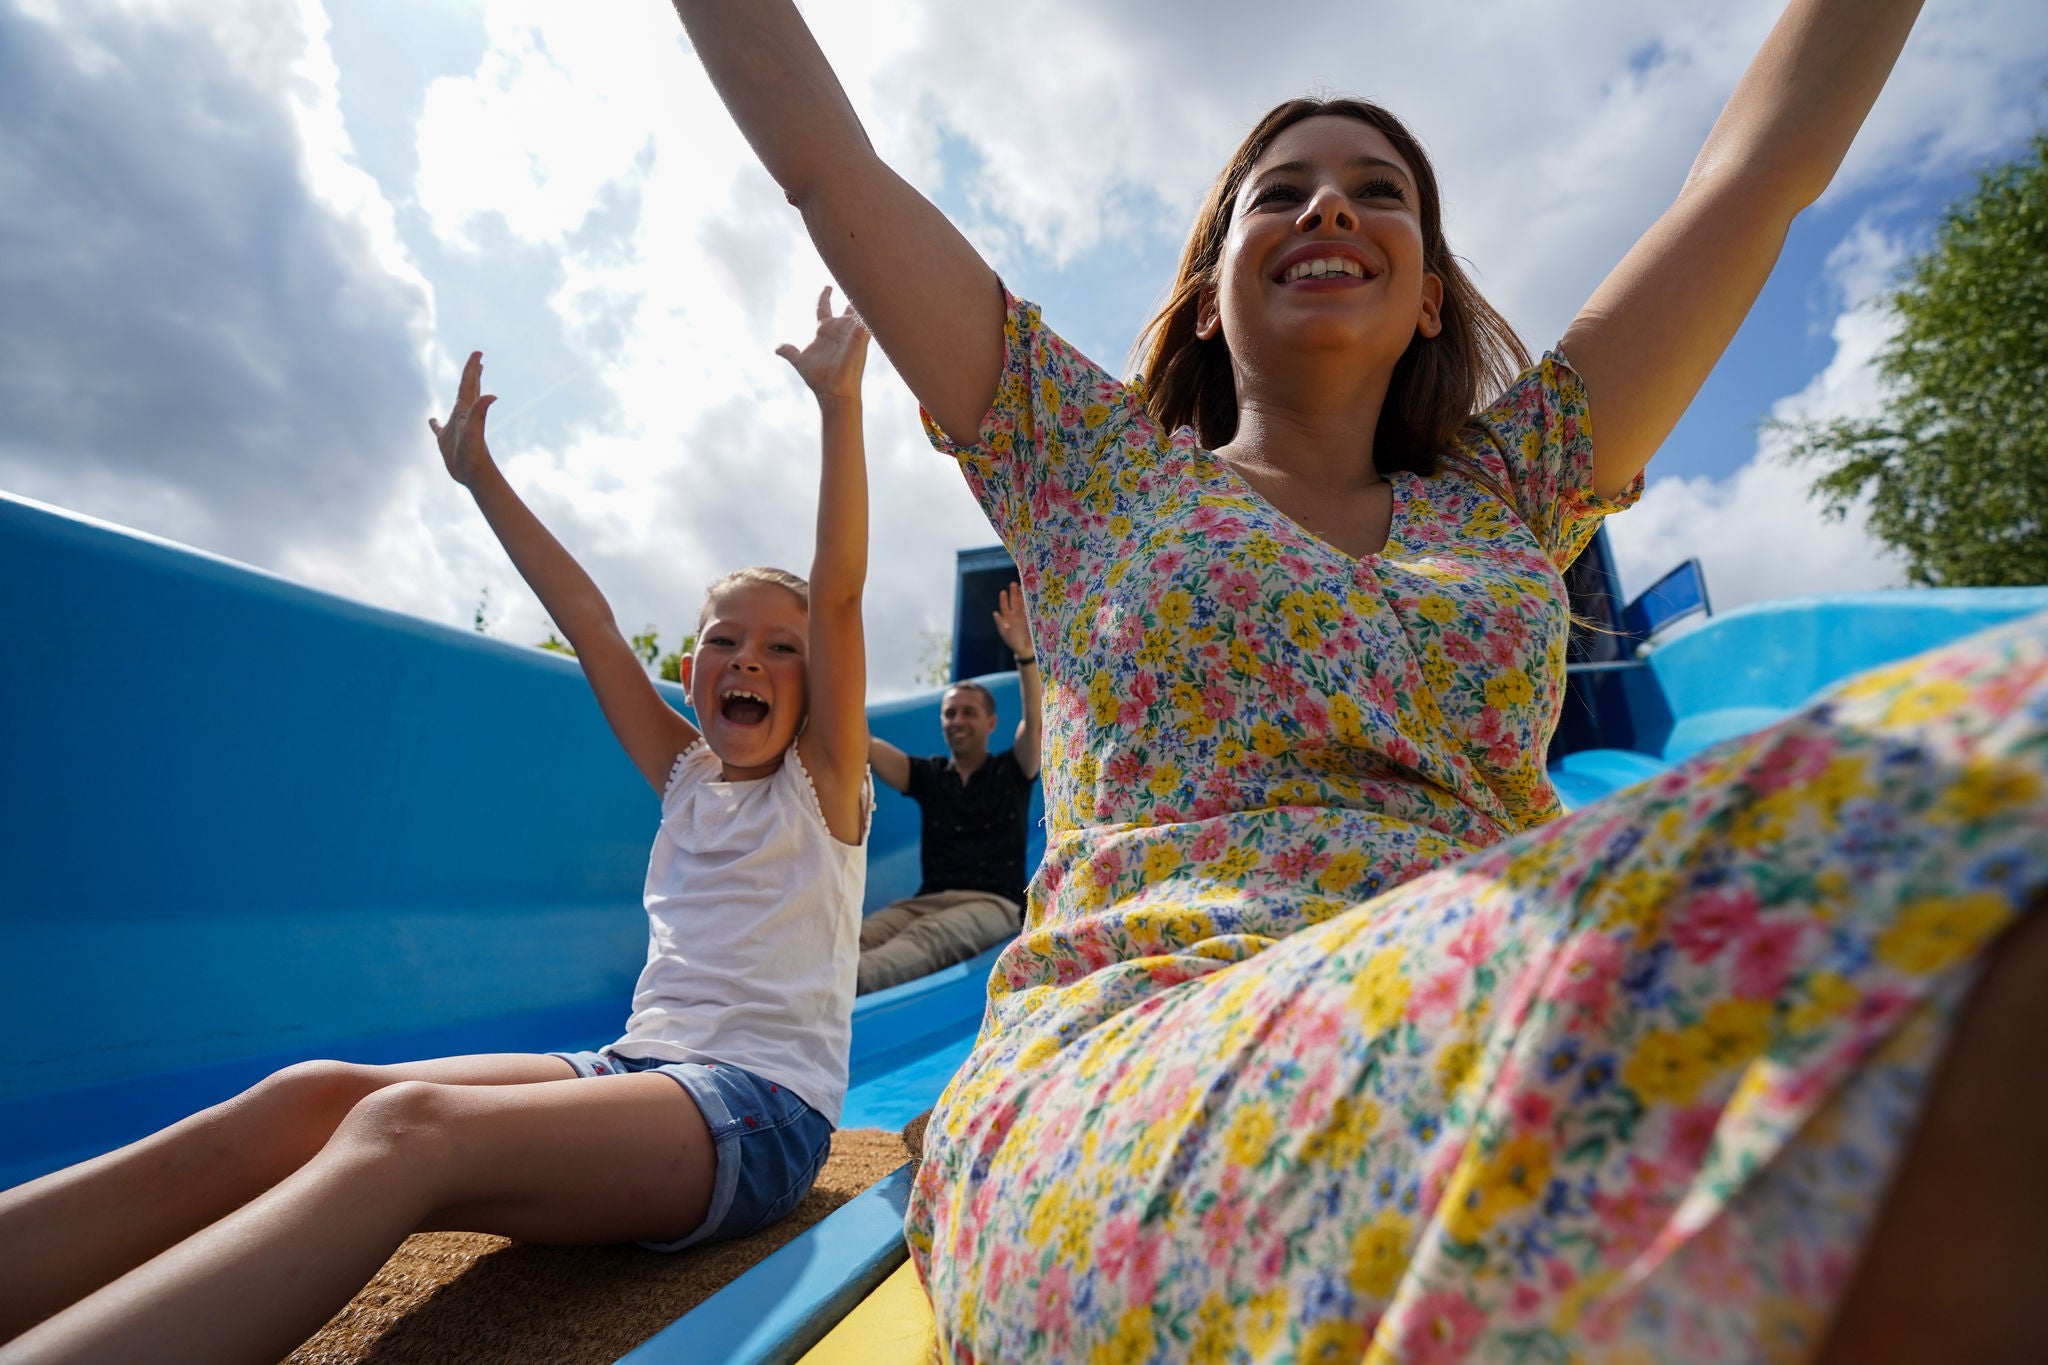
(979, 578)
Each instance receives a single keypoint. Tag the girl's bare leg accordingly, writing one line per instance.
(616, 1158)
(68, 1233)
(1955, 1267)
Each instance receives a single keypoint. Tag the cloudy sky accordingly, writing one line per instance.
(245, 244)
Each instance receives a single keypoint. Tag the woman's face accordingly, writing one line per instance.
(1324, 252)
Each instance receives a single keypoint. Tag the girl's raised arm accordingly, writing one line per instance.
(834, 743)
(926, 294)
(1653, 331)
(648, 728)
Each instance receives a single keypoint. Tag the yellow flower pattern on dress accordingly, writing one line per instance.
(1327, 1039)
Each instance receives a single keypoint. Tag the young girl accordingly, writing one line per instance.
(234, 1234)
(1328, 1037)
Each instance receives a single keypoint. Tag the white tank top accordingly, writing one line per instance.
(753, 912)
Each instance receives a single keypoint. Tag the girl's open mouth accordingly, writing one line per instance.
(742, 708)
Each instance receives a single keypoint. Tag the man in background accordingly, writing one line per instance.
(974, 805)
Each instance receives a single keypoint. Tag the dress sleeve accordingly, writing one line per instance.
(1059, 421)
(1538, 438)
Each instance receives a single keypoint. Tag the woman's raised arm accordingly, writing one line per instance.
(1656, 327)
(924, 292)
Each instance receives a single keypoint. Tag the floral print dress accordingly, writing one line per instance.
(1327, 1038)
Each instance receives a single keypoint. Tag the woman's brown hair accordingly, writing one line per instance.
(1437, 382)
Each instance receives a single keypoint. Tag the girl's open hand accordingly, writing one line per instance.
(832, 363)
(462, 437)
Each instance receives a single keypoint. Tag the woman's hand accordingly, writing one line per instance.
(833, 362)
(1011, 623)
(463, 448)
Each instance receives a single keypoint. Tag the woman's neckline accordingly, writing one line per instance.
(1397, 490)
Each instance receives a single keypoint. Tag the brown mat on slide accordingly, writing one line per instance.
(456, 1297)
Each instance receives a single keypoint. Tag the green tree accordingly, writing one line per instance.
(672, 664)
(935, 667)
(647, 644)
(1956, 464)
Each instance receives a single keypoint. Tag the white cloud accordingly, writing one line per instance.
(710, 460)
(211, 332)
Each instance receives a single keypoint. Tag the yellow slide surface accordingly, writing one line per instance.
(892, 1326)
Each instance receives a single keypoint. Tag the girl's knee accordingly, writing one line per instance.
(407, 1125)
(318, 1093)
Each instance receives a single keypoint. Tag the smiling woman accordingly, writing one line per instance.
(1188, 372)
(1327, 1034)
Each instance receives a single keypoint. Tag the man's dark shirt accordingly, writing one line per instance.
(973, 831)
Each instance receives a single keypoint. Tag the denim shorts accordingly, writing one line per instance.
(770, 1145)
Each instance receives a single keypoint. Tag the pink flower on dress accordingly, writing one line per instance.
(1142, 1275)
(1238, 590)
(1056, 1299)
(1488, 729)
(1532, 1110)
(1437, 1174)
(1217, 524)
(1283, 682)
(1299, 863)
(1437, 997)
(1689, 1134)
(1711, 921)
(1319, 1032)
(1477, 939)
(1632, 1215)
(1794, 759)
(1115, 1240)
(1763, 961)
(1378, 694)
(1589, 970)
(1439, 1327)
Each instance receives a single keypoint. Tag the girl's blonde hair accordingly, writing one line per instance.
(756, 573)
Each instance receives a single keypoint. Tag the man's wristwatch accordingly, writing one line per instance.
(1031, 660)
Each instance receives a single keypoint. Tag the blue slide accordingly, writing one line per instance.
(246, 823)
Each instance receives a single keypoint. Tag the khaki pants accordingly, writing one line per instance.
(913, 937)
